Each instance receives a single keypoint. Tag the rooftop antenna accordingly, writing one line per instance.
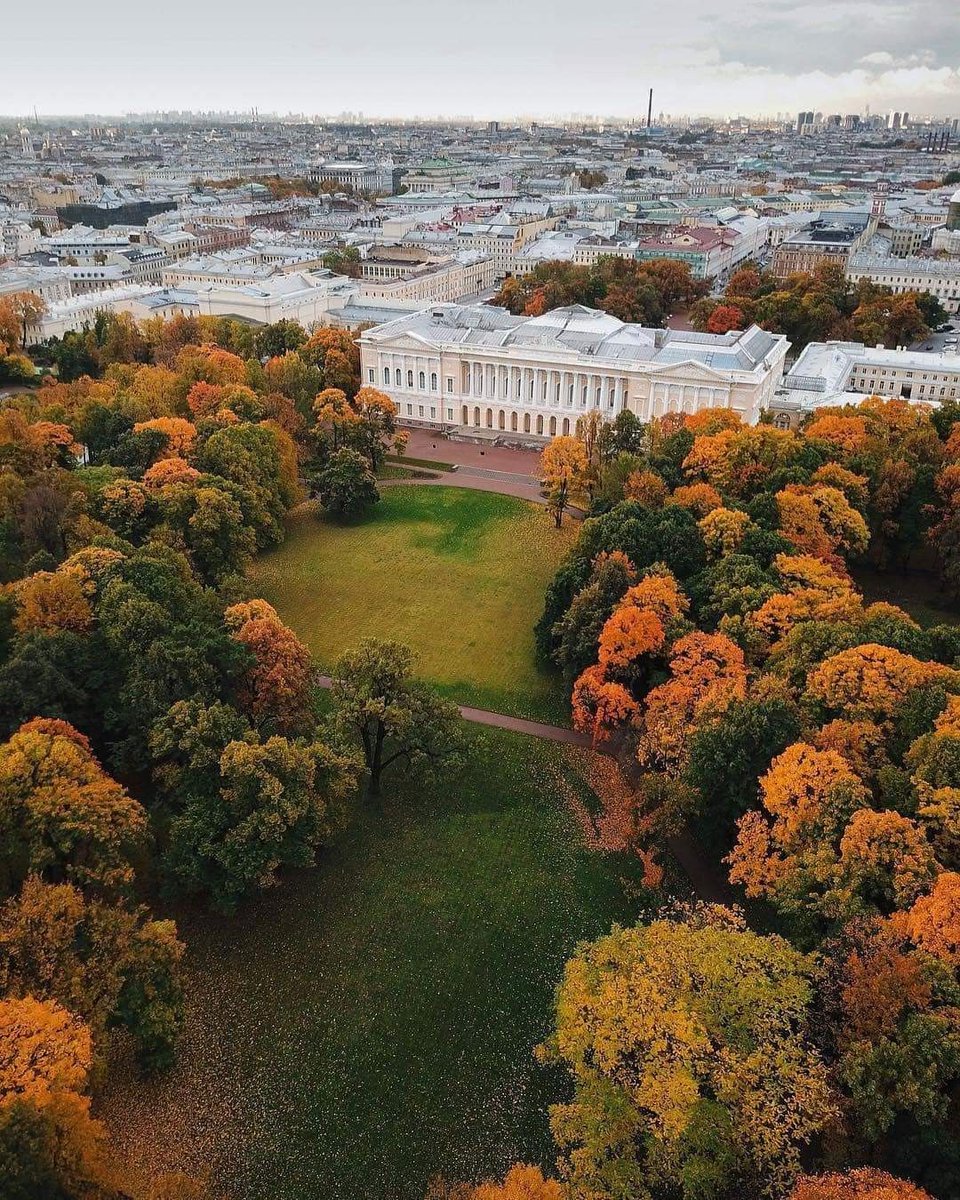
(650, 109)
(36, 117)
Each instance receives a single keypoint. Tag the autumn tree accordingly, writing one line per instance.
(563, 468)
(43, 1049)
(601, 706)
(394, 718)
(520, 1183)
(725, 317)
(821, 521)
(113, 966)
(49, 1144)
(819, 852)
(275, 689)
(668, 1030)
(62, 816)
(375, 429)
(871, 681)
(707, 673)
(49, 601)
(933, 922)
(865, 1183)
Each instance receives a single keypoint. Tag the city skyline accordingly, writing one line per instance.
(536, 60)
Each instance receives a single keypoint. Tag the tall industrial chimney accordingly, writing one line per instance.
(650, 109)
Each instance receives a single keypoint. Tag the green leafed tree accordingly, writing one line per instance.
(396, 720)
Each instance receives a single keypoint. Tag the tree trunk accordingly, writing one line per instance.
(375, 764)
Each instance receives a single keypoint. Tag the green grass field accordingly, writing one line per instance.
(458, 575)
(371, 1023)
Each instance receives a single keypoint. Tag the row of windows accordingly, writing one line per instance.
(907, 374)
(398, 379)
(433, 412)
(906, 388)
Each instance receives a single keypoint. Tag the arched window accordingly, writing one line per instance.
(433, 381)
(566, 426)
(502, 420)
(489, 418)
(476, 417)
(409, 379)
(553, 426)
(399, 376)
(386, 376)
(540, 425)
(466, 416)
(422, 381)
(526, 422)
(513, 422)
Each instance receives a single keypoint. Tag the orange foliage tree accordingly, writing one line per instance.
(866, 1183)
(707, 673)
(43, 1049)
(62, 816)
(869, 682)
(521, 1183)
(52, 600)
(275, 689)
(845, 434)
(819, 851)
(563, 467)
(600, 706)
(821, 521)
(167, 471)
(933, 922)
(180, 434)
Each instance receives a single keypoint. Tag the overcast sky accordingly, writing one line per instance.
(487, 58)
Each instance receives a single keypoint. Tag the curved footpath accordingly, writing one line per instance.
(482, 716)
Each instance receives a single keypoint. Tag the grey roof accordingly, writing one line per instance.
(586, 332)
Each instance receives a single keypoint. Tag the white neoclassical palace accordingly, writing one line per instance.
(469, 367)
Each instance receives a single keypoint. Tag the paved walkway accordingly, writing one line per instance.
(482, 716)
(547, 733)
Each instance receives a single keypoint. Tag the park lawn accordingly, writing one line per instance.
(458, 575)
(371, 1023)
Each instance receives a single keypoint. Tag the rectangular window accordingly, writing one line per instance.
(449, 414)
(370, 375)
(420, 408)
(449, 384)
